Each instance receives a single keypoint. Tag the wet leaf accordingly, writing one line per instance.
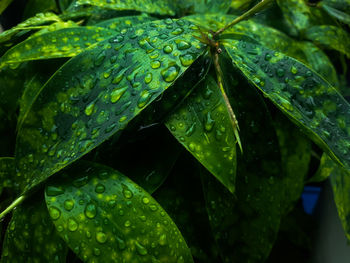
(120, 23)
(325, 169)
(34, 22)
(33, 7)
(32, 237)
(334, 12)
(67, 42)
(243, 226)
(307, 99)
(162, 7)
(203, 126)
(103, 211)
(98, 92)
(340, 180)
(205, 6)
(330, 37)
(295, 150)
(7, 172)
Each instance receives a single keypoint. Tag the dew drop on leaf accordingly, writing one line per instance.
(90, 210)
(101, 237)
(100, 188)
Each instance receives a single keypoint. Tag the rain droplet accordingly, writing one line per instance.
(116, 94)
(162, 240)
(169, 74)
(90, 210)
(101, 237)
(80, 181)
(127, 223)
(209, 123)
(186, 60)
(294, 70)
(121, 243)
(182, 45)
(100, 58)
(148, 78)
(140, 249)
(126, 192)
(177, 31)
(280, 72)
(155, 64)
(72, 225)
(100, 188)
(89, 109)
(97, 251)
(68, 204)
(54, 212)
(145, 200)
(144, 98)
(167, 49)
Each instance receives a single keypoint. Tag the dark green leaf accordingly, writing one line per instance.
(205, 6)
(340, 180)
(296, 155)
(246, 225)
(331, 37)
(67, 42)
(340, 15)
(120, 23)
(35, 22)
(64, 4)
(98, 92)
(105, 217)
(203, 126)
(39, 6)
(325, 169)
(7, 172)
(31, 236)
(163, 7)
(307, 99)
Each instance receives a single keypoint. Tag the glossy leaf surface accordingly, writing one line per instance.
(311, 102)
(32, 237)
(163, 7)
(67, 42)
(38, 20)
(105, 217)
(331, 37)
(98, 92)
(203, 126)
(340, 180)
(120, 23)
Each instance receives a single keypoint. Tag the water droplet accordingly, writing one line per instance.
(145, 200)
(144, 98)
(101, 237)
(72, 225)
(68, 204)
(54, 191)
(191, 129)
(97, 251)
(186, 60)
(167, 49)
(116, 94)
(182, 45)
(267, 56)
(127, 223)
(148, 78)
(107, 73)
(144, 44)
(180, 260)
(80, 181)
(169, 74)
(54, 212)
(121, 243)
(126, 192)
(155, 64)
(100, 188)
(89, 109)
(140, 249)
(90, 210)
(280, 72)
(177, 31)
(294, 70)
(118, 78)
(209, 123)
(100, 58)
(162, 240)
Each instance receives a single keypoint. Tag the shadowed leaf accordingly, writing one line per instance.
(334, 12)
(331, 37)
(104, 216)
(98, 92)
(39, 6)
(325, 169)
(31, 236)
(203, 126)
(307, 99)
(7, 172)
(4, 4)
(67, 42)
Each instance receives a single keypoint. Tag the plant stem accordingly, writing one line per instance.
(255, 9)
(18, 201)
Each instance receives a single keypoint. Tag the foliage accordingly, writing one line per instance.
(169, 131)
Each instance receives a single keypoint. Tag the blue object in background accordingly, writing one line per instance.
(310, 197)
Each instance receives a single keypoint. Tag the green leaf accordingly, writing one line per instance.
(334, 12)
(325, 169)
(103, 211)
(331, 37)
(205, 6)
(32, 237)
(4, 4)
(319, 62)
(120, 23)
(31, 23)
(7, 172)
(162, 7)
(243, 226)
(203, 126)
(340, 180)
(296, 155)
(66, 42)
(96, 94)
(307, 99)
